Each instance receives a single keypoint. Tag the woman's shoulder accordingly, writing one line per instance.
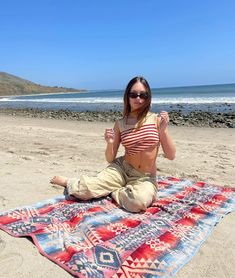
(152, 115)
(153, 118)
(120, 123)
(120, 120)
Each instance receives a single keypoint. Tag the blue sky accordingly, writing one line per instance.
(102, 44)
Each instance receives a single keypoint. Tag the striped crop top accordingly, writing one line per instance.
(136, 140)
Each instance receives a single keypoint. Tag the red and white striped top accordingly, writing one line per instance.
(136, 140)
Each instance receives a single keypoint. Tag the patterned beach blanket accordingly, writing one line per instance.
(98, 239)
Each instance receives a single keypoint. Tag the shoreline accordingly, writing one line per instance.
(42, 94)
(195, 118)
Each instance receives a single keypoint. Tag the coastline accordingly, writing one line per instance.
(35, 149)
(195, 118)
(42, 94)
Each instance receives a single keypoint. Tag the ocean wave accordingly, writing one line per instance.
(118, 100)
(201, 100)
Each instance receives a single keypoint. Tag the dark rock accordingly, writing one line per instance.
(177, 118)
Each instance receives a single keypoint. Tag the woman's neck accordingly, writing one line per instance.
(133, 114)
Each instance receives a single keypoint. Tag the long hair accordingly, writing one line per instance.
(142, 112)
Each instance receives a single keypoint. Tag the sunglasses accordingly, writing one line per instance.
(142, 95)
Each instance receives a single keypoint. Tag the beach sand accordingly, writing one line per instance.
(34, 150)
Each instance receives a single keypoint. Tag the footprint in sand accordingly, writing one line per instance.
(3, 201)
(220, 166)
(45, 149)
(42, 152)
(2, 245)
(10, 262)
(37, 143)
(27, 157)
(11, 151)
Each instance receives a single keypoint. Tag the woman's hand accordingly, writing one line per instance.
(164, 120)
(109, 135)
(113, 137)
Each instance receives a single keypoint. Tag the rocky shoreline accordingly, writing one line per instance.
(177, 118)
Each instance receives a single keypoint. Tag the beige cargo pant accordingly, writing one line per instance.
(131, 189)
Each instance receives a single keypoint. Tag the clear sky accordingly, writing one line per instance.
(101, 44)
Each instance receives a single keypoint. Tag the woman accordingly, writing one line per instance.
(131, 179)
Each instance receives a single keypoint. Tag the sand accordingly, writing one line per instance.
(34, 150)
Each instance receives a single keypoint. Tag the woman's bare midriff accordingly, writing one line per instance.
(144, 161)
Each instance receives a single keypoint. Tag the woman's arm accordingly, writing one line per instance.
(112, 137)
(165, 138)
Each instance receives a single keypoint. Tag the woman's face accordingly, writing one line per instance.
(137, 96)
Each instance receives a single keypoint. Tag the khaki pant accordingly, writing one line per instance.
(131, 189)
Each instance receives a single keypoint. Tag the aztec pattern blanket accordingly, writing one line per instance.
(98, 239)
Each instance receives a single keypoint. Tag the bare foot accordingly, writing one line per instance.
(59, 180)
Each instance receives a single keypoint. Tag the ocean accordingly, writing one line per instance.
(211, 98)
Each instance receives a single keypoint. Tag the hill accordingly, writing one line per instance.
(13, 85)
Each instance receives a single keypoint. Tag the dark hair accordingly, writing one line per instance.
(141, 114)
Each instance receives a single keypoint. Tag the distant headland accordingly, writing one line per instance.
(13, 85)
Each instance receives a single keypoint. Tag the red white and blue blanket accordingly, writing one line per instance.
(98, 239)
